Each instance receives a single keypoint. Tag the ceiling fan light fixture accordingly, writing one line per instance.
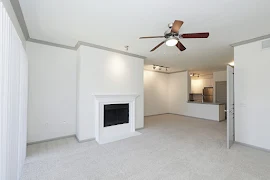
(171, 41)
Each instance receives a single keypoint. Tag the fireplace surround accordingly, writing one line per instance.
(119, 110)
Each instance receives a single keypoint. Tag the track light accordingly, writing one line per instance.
(194, 75)
(160, 68)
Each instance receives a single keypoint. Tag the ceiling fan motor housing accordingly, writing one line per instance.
(168, 34)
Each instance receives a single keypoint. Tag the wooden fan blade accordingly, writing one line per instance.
(180, 46)
(176, 26)
(157, 46)
(195, 35)
(151, 37)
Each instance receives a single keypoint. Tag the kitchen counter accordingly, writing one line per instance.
(206, 110)
(200, 102)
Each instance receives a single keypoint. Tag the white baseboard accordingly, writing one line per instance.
(52, 139)
(85, 140)
(253, 147)
(156, 114)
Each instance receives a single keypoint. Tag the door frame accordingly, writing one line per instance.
(230, 142)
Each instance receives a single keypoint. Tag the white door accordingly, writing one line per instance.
(230, 106)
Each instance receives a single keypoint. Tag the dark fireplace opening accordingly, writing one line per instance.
(116, 114)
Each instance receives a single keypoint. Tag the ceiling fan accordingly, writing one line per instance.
(172, 36)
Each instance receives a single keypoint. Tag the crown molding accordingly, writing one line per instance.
(165, 72)
(18, 11)
(82, 43)
(51, 44)
(251, 40)
(156, 71)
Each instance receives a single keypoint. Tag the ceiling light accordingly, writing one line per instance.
(231, 63)
(191, 74)
(172, 41)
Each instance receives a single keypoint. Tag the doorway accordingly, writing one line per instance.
(221, 91)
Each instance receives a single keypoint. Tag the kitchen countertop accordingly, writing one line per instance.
(211, 103)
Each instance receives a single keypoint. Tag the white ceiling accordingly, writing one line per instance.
(118, 23)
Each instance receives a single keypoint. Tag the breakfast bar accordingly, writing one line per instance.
(207, 110)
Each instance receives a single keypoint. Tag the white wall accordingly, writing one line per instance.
(105, 72)
(220, 76)
(156, 93)
(252, 98)
(52, 92)
(178, 92)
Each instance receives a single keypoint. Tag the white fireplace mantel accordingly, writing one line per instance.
(117, 132)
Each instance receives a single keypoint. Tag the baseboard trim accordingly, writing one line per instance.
(52, 139)
(196, 117)
(85, 140)
(184, 116)
(63, 137)
(156, 114)
(139, 129)
(253, 147)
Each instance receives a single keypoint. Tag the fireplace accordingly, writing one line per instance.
(114, 117)
(115, 114)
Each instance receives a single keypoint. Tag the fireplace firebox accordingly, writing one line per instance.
(115, 114)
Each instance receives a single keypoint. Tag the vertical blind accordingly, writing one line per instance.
(13, 99)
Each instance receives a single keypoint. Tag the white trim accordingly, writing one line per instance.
(251, 40)
(253, 147)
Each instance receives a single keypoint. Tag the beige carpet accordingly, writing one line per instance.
(170, 147)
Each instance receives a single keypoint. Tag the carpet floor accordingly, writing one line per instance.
(170, 147)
